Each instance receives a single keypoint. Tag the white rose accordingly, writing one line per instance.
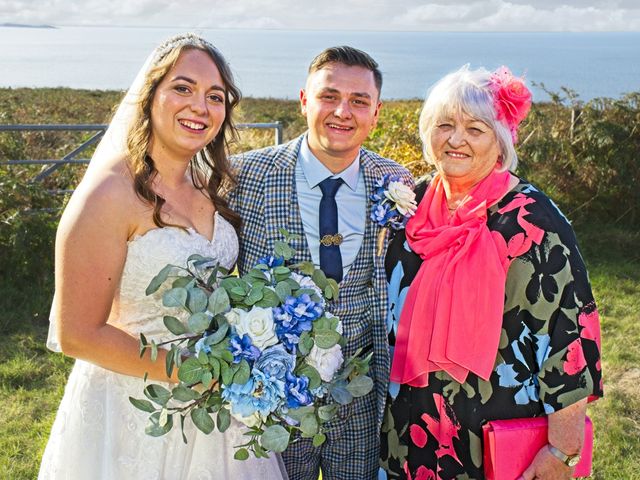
(326, 361)
(307, 282)
(251, 421)
(234, 316)
(258, 324)
(403, 197)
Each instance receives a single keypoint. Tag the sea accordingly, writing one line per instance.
(273, 63)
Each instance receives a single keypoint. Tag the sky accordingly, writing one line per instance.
(399, 15)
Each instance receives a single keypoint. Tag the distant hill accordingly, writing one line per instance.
(22, 25)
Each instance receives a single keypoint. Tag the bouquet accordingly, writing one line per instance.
(261, 348)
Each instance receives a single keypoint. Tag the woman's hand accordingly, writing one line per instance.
(546, 466)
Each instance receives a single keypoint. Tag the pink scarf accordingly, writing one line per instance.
(452, 315)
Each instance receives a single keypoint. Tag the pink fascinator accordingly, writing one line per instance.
(511, 99)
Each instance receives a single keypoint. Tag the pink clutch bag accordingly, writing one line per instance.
(511, 445)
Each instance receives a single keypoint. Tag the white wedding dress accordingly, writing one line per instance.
(98, 434)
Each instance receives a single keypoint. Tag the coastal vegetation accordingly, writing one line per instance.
(582, 154)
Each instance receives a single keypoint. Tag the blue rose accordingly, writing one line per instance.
(297, 389)
(262, 394)
(276, 362)
(241, 347)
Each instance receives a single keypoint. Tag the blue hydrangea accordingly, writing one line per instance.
(262, 393)
(271, 261)
(201, 346)
(241, 347)
(297, 389)
(294, 317)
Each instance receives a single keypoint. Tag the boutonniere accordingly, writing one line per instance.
(393, 204)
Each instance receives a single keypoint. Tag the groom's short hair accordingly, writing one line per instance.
(349, 56)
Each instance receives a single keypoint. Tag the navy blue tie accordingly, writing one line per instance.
(330, 239)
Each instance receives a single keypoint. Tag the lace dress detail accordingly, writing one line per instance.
(98, 434)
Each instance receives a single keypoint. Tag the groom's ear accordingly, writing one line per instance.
(303, 101)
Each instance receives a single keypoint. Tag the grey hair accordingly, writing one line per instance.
(465, 91)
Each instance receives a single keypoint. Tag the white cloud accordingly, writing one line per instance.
(438, 15)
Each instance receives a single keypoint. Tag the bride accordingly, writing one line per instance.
(152, 195)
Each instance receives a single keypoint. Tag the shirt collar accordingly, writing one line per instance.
(315, 172)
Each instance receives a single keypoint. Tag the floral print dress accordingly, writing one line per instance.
(548, 357)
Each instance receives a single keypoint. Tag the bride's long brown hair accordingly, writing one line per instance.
(210, 169)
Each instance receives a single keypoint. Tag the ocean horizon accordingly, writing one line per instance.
(273, 63)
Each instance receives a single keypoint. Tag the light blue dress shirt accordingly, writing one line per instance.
(351, 199)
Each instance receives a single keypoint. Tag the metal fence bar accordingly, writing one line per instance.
(69, 156)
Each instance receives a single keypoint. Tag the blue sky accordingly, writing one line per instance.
(402, 15)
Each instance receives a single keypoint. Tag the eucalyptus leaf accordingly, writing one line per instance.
(174, 325)
(223, 419)
(306, 268)
(157, 394)
(175, 297)
(197, 300)
(202, 420)
(218, 301)
(215, 367)
(243, 374)
(191, 371)
(326, 338)
(312, 374)
(298, 413)
(154, 428)
(144, 405)
(226, 373)
(217, 336)
(143, 345)
(164, 417)
(198, 322)
(327, 412)
(269, 299)
(159, 279)
(360, 386)
(183, 282)
(242, 454)
(305, 344)
(275, 438)
(319, 278)
(255, 295)
(154, 351)
(283, 290)
(319, 439)
(184, 394)
(206, 378)
(309, 425)
(169, 362)
(341, 395)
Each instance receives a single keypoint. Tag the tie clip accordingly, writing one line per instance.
(329, 240)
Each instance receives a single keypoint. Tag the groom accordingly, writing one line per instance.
(318, 186)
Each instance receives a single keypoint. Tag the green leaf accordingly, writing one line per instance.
(360, 386)
(202, 420)
(283, 290)
(305, 344)
(197, 301)
(159, 279)
(217, 336)
(312, 374)
(255, 295)
(269, 299)
(257, 274)
(206, 378)
(299, 413)
(275, 438)
(143, 345)
(182, 282)
(176, 297)
(319, 439)
(198, 322)
(174, 325)
(191, 371)
(218, 301)
(154, 351)
(327, 412)
(157, 394)
(215, 368)
(235, 287)
(169, 361)
(283, 249)
(306, 268)
(243, 374)
(242, 454)
(155, 429)
(319, 278)
(144, 405)
(226, 373)
(331, 292)
(184, 394)
(341, 395)
(224, 419)
(326, 338)
(309, 425)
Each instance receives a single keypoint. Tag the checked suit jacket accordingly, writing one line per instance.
(266, 201)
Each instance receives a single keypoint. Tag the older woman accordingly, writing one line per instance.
(491, 313)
